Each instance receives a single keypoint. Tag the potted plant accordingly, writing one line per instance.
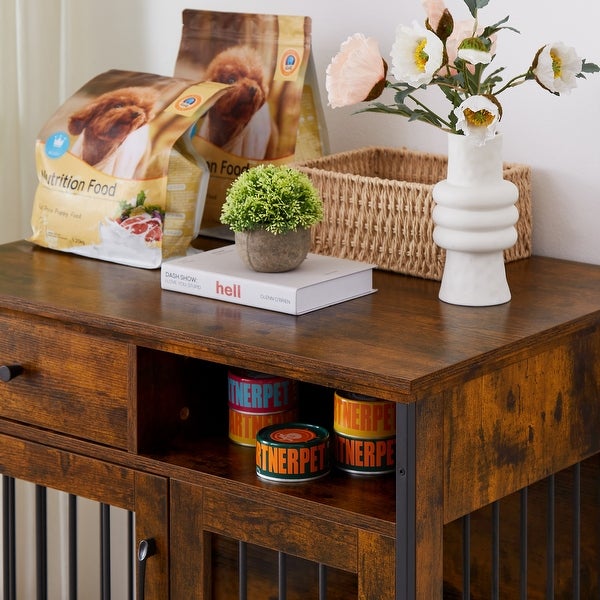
(270, 209)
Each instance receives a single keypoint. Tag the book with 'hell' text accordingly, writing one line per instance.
(220, 274)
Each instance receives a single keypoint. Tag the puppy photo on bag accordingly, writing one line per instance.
(113, 131)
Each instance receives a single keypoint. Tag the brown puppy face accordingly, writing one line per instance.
(241, 67)
(114, 115)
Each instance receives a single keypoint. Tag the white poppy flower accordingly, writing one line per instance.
(555, 68)
(417, 54)
(478, 116)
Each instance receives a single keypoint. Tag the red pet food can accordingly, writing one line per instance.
(363, 417)
(244, 426)
(364, 456)
(292, 452)
(258, 393)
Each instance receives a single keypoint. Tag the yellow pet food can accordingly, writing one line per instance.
(363, 417)
(244, 426)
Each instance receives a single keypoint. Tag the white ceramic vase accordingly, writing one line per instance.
(474, 218)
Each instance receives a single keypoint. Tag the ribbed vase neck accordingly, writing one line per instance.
(470, 164)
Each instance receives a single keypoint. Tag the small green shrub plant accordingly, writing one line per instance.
(276, 198)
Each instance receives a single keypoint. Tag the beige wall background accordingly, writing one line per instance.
(558, 137)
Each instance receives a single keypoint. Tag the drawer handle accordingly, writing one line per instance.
(8, 372)
(146, 549)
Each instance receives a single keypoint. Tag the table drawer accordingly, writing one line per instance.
(72, 382)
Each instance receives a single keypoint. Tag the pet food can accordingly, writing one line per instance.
(258, 393)
(292, 452)
(244, 426)
(364, 456)
(363, 417)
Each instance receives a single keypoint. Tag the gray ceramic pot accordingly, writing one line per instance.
(270, 253)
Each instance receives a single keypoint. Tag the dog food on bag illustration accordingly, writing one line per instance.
(119, 178)
(264, 59)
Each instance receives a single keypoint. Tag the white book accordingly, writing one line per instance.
(220, 274)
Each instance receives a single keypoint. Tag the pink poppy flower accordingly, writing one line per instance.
(357, 73)
(434, 10)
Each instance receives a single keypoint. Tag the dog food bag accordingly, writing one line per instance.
(118, 176)
(264, 59)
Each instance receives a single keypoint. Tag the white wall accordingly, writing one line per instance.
(558, 137)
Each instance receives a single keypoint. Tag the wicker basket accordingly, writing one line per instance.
(378, 204)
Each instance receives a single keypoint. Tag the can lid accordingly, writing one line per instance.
(355, 396)
(248, 374)
(292, 434)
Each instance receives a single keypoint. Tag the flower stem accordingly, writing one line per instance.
(419, 103)
(517, 80)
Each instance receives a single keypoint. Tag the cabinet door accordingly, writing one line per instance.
(226, 546)
(142, 494)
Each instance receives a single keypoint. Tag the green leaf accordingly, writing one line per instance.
(588, 67)
(474, 5)
(491, 29)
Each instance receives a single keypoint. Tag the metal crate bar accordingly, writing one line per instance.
(105, 591)
(243, 570)
(523, 542)
(37, 576)
(8, 538)
(495, 551)
(72, 537)
(466, 552)
(132, 562)
(322, 582)
(282, 572)
(41, 542)
(577, 531)
(550, 532)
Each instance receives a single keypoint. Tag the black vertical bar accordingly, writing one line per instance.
(131, 552)
(576, 531)
(495, 550)
(41, 542)
(466, 537)
(322, 582)
(104, 551)
(242, 570)
(524, 542)
(72, 547)
(8, 539)
(405, 502)
(282, 568)
(550, 528)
